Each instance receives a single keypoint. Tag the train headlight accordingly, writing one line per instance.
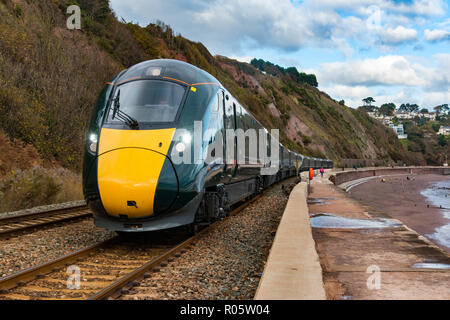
(92, 143)
(183, 142)
(180, 147)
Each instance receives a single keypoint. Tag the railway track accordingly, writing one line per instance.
(106, 270)
(11, 225)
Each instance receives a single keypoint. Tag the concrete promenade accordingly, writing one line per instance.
(293, 270)
(365, 254)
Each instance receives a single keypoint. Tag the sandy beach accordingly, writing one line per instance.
(402, 199)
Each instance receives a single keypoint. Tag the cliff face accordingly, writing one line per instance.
(50, 78)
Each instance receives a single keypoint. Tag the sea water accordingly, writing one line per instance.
(438, 195)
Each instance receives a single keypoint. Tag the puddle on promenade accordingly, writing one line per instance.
(320, 201)
(425, 265)
(328, 220)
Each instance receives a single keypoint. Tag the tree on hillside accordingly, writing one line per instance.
(414, 108)
(435, 127)
(442, 140)
(438, 109)
(445, 108)
(387, 109)
(409, 107)
(395, 121)
(441, 109)
(368, 101)
(276, 70)
(424, 110)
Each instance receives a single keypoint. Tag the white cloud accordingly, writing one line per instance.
(443, 59)
(444, 24)
(349, 92)
(436, 35)
(388, 78)
(242, 58)
(398, 35)
(415, 7)
(396, 95)
(432, 99)
(385, 70)
(422, 7)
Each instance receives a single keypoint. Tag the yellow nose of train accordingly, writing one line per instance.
(129, 167)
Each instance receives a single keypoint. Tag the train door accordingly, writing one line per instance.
(237, 149)
(216, 149)
(221, 117)
(230, 140)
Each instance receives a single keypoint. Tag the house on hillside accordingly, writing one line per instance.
(444, 130)
(429, 116)
(399, 130)
(387, 121)
(376, 115)
(404, 115)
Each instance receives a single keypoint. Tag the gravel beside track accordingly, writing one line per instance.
(227, 262)
(27, 250)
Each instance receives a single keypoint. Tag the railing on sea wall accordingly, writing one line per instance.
(346, 176)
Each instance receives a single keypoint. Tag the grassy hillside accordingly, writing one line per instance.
(50, 78)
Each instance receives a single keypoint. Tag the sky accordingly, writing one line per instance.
(392, 50)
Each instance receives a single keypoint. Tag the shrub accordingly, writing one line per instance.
(306, 140)
(22, 189)
(435, 126)
(442, 140)
(26, 189)
(18, 11)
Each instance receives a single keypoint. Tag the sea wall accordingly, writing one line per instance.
(346, 176)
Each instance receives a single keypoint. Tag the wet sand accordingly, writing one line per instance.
(402, 200)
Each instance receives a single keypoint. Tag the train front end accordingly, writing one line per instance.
(129, 179)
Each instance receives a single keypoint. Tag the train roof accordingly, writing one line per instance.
(168, 69)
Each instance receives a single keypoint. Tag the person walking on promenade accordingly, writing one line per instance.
(322, 172)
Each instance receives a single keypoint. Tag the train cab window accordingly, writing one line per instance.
(216, 105)
(149, 101)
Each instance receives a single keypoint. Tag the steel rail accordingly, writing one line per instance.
(21, 277)
(14, 224)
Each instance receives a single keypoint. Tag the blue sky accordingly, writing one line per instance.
(394, 51)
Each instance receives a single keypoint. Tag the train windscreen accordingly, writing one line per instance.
(149, 101)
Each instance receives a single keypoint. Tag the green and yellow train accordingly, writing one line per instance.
(145, 118)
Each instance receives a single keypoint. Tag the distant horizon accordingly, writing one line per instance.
(393, 50)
